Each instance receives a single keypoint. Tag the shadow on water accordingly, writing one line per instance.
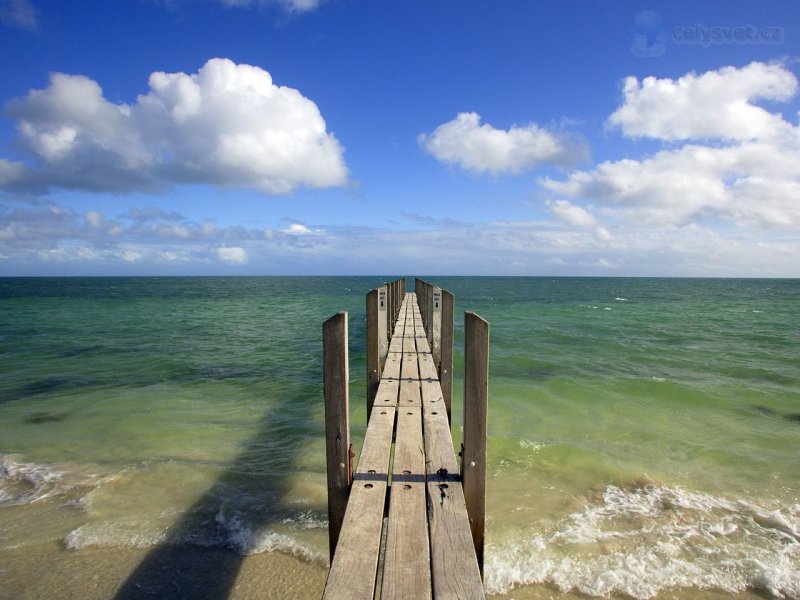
(185, 567)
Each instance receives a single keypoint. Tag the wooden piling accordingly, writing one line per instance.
(436, 325)
(373, 358)
(476, 396)
(337, 422)
(445, 366)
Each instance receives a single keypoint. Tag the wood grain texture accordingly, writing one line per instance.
(373, 357)
(383, 329)
(406, 568)
(436, 325)
(476, 398)
(354, 566)
(429, 546)
(446, 362)
(454, 566)
(337, 421)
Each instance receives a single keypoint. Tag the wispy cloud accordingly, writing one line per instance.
(47, 238)
(18, 13)
(287, 6)
(292, 6)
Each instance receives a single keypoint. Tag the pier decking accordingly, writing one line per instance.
(406, 532)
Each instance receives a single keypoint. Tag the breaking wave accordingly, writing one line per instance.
(230, 530)
(24, 483)
(642, 541)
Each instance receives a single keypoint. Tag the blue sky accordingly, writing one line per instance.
(376, 137)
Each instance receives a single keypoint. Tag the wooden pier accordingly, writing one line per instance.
(408, 521)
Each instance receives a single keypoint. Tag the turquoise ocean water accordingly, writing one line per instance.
(644, 434)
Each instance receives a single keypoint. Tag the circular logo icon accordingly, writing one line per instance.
(648, 34)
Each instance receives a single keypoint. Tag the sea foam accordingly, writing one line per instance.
(230, 530)
(642, 541)
(23, 483)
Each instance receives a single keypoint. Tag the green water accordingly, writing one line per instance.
(643, 432)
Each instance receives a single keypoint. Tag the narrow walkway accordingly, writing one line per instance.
(406, 533)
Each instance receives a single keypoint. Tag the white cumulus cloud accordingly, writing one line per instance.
(227, 125)
(749, 176)
(715, 104)
(481, 148)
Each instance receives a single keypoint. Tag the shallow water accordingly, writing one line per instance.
(643, 432)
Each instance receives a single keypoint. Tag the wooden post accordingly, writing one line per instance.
(373, 359)
(429, 310)
(476, 396)
(445, 365)
(383, 326)
(423, 305)
(390, 313)
(436, 326)
(337, 422)
(395, 307)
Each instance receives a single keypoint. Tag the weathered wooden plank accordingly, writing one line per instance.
(430, 550)
(354, 566)
(337, 421)
(476, 396)
(409, 376)
(406, 568)
(454, 567)
(396, 345)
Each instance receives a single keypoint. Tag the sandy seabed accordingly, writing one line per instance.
(50, 571)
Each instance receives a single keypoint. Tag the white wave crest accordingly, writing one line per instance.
(245, 540)
(640, 542)
(232, 532)
(25, 482)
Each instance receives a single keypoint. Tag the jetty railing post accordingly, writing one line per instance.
(391, 313)
(420, 295)
(476, 396)
(428, 290)
(445, 365)
(383, 330)
(395, 304)
(436, 325)
(377, 345)
(398, 297)
(423, 305)
(337, 422)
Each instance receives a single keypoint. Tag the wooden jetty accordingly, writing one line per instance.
(408, 521)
